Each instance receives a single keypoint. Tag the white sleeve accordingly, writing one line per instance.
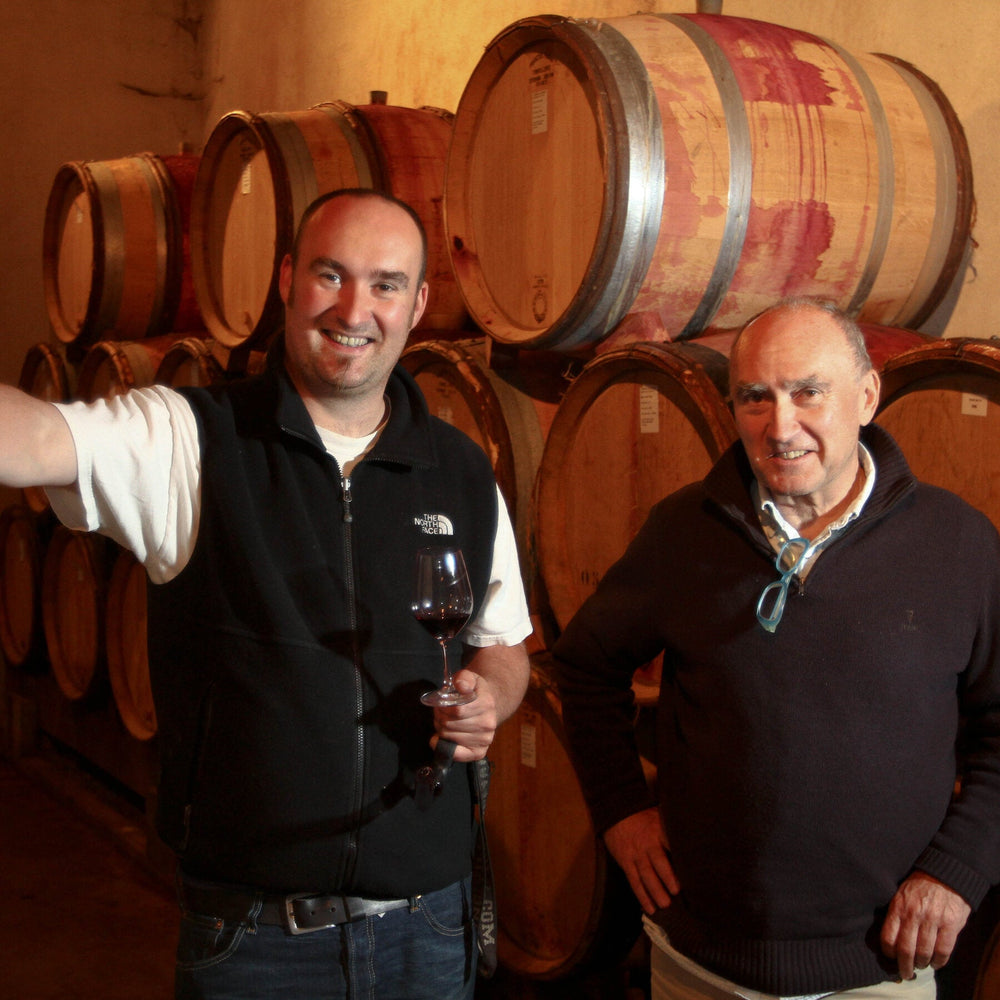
(503, 618)
(138, 475)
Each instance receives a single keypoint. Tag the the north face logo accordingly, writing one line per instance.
(434, 524)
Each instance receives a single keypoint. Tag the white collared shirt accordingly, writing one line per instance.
(778, 530)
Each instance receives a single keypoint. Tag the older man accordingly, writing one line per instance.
(279, 518)
(828, 624)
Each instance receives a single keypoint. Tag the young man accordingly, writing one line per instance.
(278, 518)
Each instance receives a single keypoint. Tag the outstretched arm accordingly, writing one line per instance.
(36, 446)
(499, 676)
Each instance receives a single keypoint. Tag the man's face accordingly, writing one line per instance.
(799, 402)
(352, 297)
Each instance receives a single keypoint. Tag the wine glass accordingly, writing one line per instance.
(442, 603)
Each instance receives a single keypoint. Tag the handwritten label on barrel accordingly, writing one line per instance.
(540, 75)
(973, 405)
(649, 410)
(539, 112)
(529, 755)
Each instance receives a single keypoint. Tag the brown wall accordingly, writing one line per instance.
(80, 80)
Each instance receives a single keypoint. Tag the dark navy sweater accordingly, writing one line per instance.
(285, 663)
(802, 775)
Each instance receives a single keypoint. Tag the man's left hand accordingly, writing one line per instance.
(498, 675)
(922, 925)
(471, 727)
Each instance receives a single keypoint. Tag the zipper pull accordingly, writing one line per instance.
(346, 494)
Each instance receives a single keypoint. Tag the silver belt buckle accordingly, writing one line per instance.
(292, 923)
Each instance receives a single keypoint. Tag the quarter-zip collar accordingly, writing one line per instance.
(728, 484)
(405, 440)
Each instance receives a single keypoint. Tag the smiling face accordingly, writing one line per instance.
(800, 399)
(351, 297)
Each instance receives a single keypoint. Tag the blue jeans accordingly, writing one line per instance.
(428, 953)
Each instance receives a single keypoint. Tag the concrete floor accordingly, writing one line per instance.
(80, 919)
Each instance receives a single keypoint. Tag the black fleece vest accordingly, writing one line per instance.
(285, 664)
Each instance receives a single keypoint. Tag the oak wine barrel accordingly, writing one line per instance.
(794, 168)
(562, 905)
(635, 425)
(941, 402)
(259, 172)
(190, 361)
(506, 408)
(883, 342)
(112, 367)
(45, 374)
(887, 342)
(74, 587)
(128, 660)
(22, 547)
(116, 251)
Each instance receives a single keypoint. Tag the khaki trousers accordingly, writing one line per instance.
(673, 978)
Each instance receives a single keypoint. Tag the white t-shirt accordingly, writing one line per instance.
(139, 483)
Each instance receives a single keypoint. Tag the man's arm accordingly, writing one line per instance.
(36, 446)
(640, 847)
(499, 676)
(954, 873)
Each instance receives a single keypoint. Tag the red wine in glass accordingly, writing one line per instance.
(442, 603)
(443, 625)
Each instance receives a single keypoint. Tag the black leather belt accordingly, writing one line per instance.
(298, 914)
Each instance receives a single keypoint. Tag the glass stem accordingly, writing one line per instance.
(449, 684)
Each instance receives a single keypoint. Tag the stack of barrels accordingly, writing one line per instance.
(165, 269)
(623, 195)
(610, 202)
(117, 278)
